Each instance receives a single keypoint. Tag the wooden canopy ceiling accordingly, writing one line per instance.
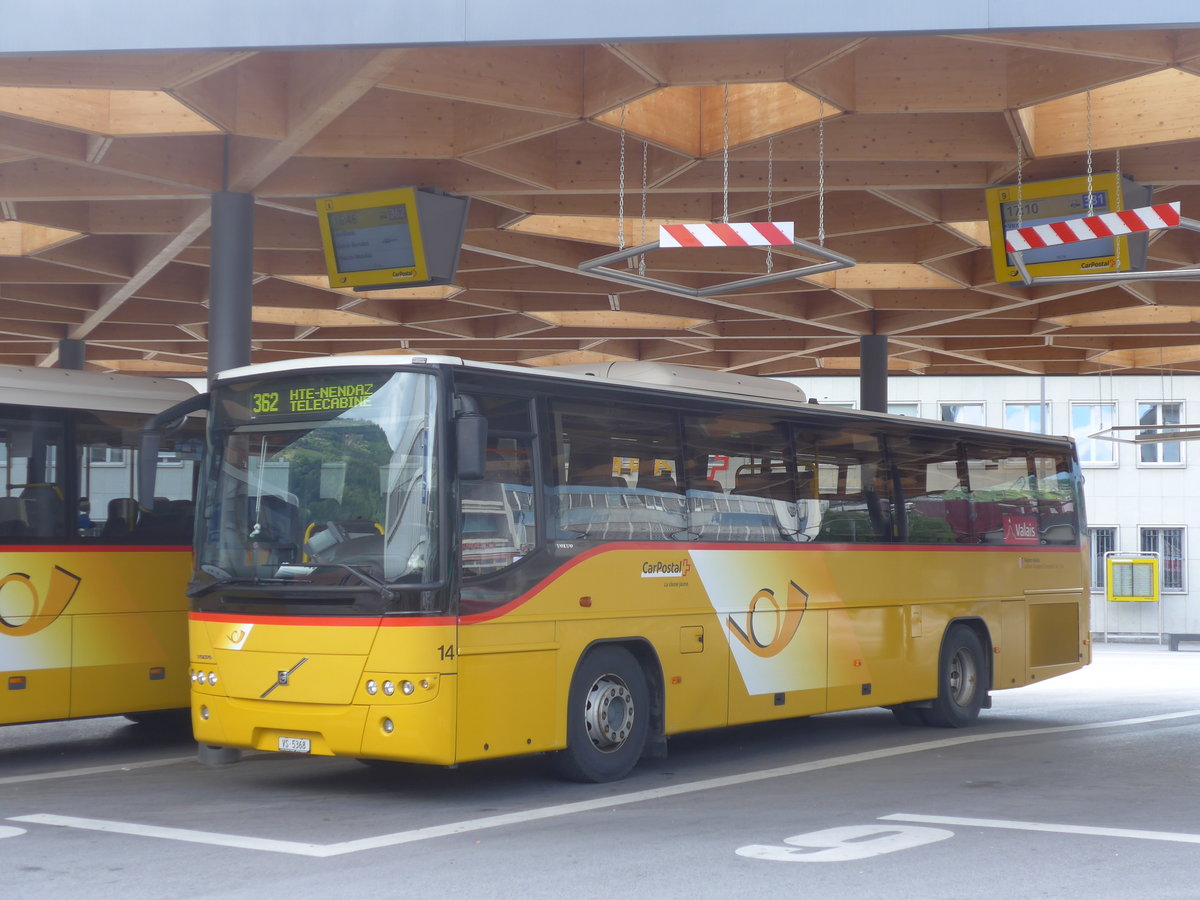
(107, 165)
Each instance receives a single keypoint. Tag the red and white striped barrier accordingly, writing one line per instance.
(1068, 231)
(731, 234)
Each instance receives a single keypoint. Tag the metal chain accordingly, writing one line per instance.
(621, 188)
(1020, 181)
(1120, 203)
(725, 156)
(645, 157)
(821, 173)
(1090, 202)
(770, 195)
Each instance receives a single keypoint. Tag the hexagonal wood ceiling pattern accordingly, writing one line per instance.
(107, 165)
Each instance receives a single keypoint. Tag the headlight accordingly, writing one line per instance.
(407, 687)
(389, 688)
(372, 686)
(212, 677)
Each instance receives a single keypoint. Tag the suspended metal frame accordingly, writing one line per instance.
(1149, 436)
(601, 265)
(1102, 277)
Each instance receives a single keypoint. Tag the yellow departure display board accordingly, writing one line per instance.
(1042, 202)
(403, 237)
(373, 238)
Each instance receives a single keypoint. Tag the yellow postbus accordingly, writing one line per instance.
(93, 611)
(435, 561)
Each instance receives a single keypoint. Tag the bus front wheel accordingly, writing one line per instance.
(962, 673)
(608, 717)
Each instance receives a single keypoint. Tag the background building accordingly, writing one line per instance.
(1139, 497)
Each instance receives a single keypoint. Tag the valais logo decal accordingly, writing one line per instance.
(675, 569)
(1020, 529)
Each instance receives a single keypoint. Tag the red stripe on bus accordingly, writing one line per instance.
(326, 621)
(95, 548)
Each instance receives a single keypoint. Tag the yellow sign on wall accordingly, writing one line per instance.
(1042, 202)
(1132, 578)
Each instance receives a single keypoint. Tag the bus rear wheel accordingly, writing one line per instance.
(608, 717)
(962, 674)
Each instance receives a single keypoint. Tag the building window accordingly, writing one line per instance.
(1155, 418)
(1032, 417)
(1086, 420)
(905, 409)
(1168, 544)
(1103, 540)
(962, 413)
(106, 456)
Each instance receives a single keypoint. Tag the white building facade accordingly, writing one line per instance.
(1139, 497)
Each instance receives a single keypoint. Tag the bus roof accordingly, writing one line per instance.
(74, 389)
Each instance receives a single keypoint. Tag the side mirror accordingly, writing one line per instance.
(471, 438)
(151, 440)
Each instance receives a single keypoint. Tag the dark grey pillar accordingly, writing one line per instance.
(231, 281)
(70, 354)
(873, 372)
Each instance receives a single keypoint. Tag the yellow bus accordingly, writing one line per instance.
(93, 610)
(436, 561)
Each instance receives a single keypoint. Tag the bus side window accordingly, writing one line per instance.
(743, 486)
(498, 515)
(35, 502)
(615, 473)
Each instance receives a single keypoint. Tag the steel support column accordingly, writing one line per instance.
(873, 372)
(231, 281)
(71, 353)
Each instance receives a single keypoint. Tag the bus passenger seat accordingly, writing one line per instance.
(658, 483)
(13, 521)
(122, 514)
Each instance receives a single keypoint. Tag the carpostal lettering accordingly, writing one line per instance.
(660, 569)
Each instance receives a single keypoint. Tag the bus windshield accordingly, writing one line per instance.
(323, 478)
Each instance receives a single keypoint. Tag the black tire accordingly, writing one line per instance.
(608, 717)
(962, 680)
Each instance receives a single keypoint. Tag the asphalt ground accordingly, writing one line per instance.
(1083, 786)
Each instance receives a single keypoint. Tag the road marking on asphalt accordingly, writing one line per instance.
(1174, 836)
(566, 809)
(95, 770)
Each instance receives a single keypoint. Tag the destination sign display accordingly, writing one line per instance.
(293, 399)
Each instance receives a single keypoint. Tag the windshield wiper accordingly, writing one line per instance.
(195, 590)
(385, 590)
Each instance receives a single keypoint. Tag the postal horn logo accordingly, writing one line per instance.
(767, 631)
(24, 610)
